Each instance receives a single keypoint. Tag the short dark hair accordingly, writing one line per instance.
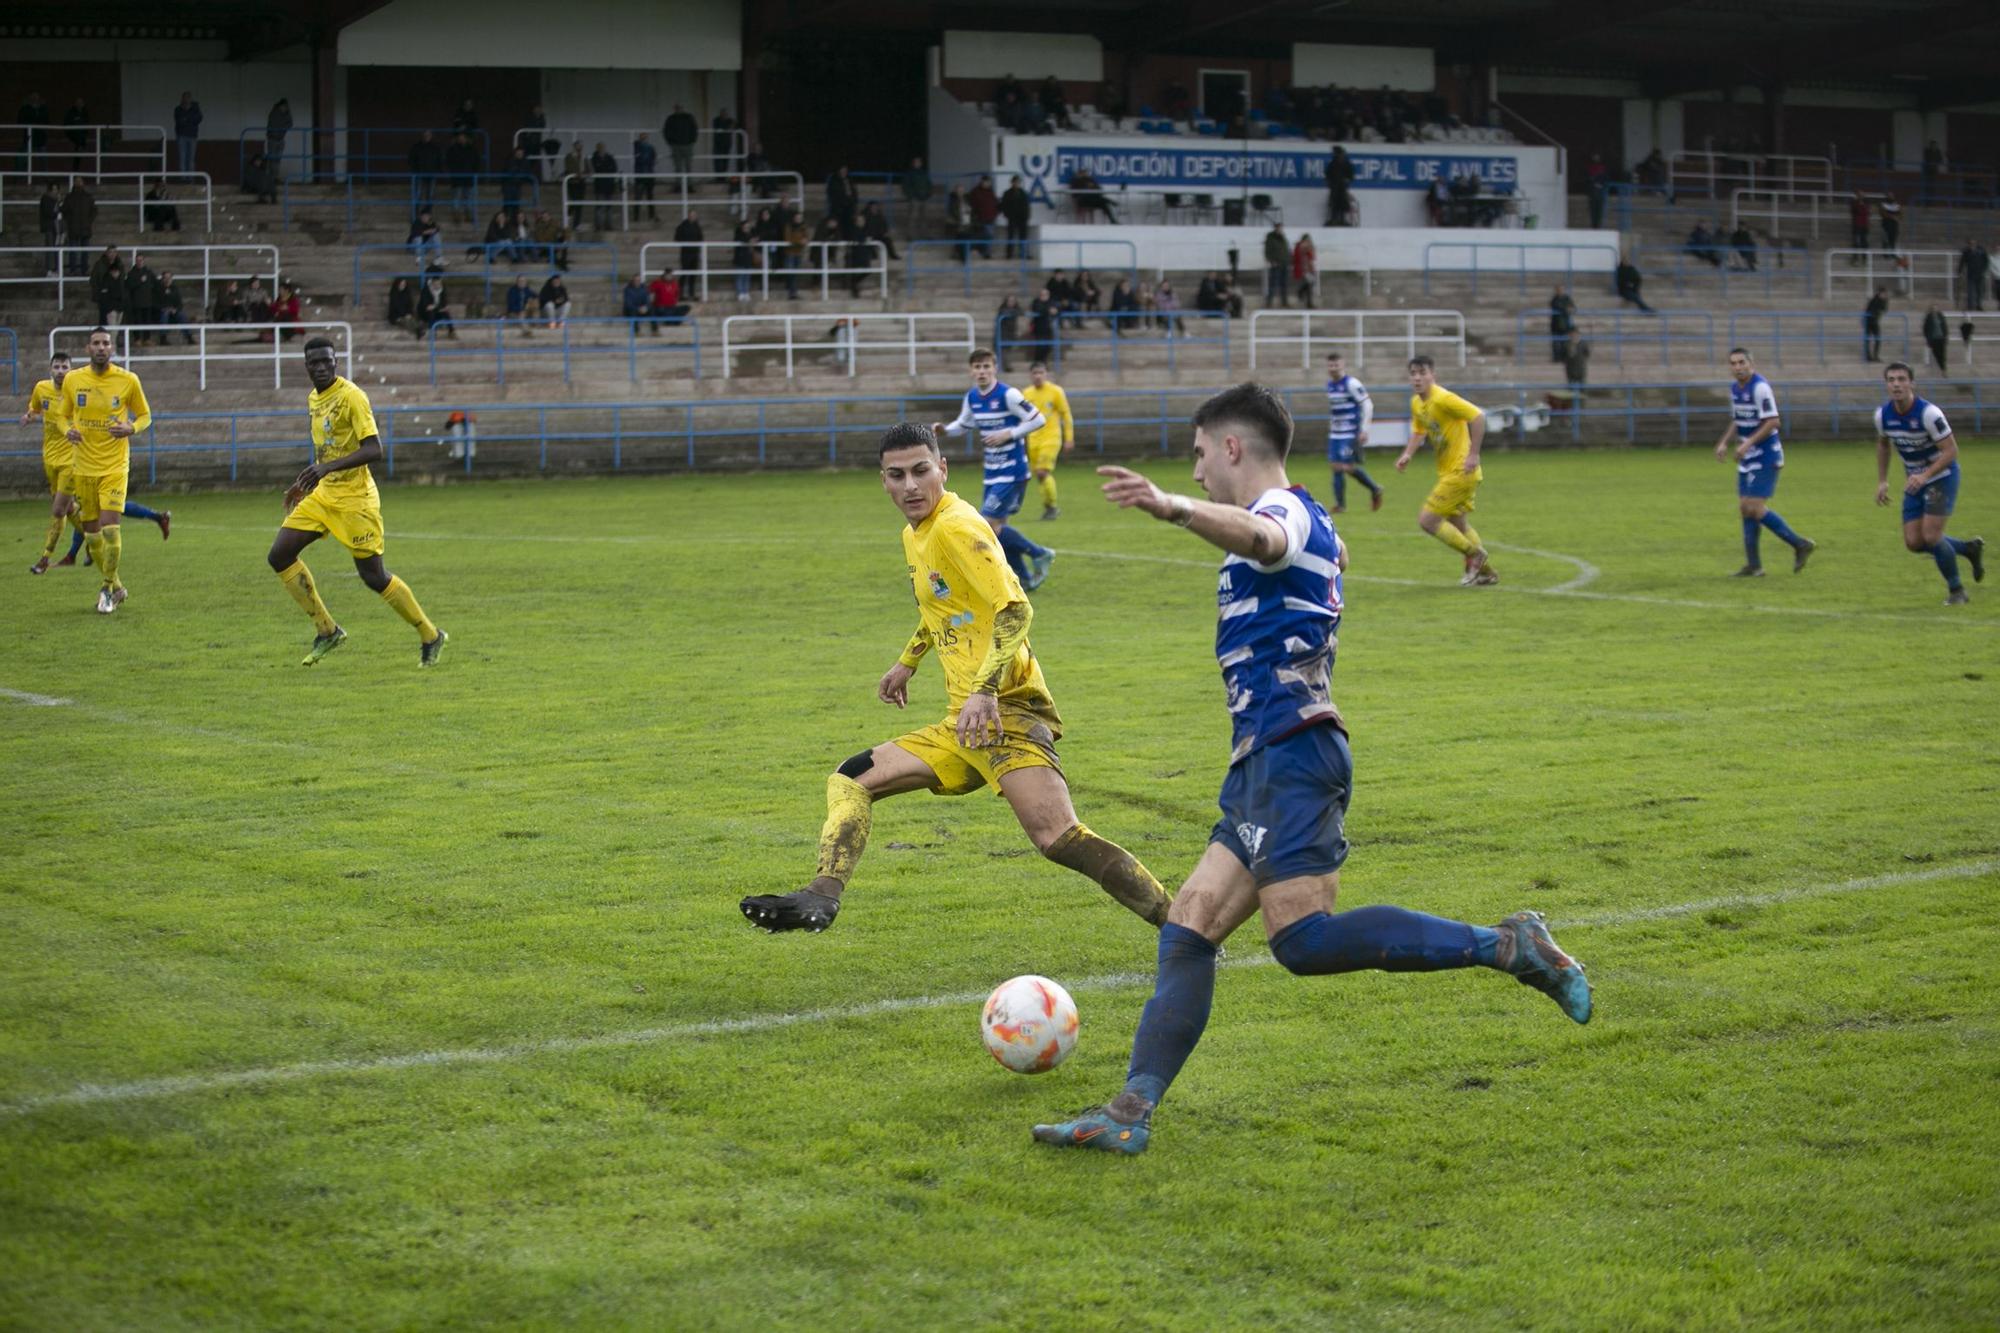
(1743, 352)
(1421, 360)
(1903, 366)
(907, 435)
(1038, 365)
(1253, 406)
(106, 332)
(982, 354)
(58, 356)
(1336, 353)
(314, 344)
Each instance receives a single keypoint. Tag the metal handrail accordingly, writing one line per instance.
(826, 270)
(532, 139)
(544, 254)
(1852, 335)
(1800, 172)
(849, 348)
(1307, 340)
(410, 193)
(125, 355)
(1023, 265)
(341, 157)
(63, 279)
(70, 149)
(1173, 336)
(1905, 269)
(1570, 250)
(564, 344)
(138, 203)
(1655, 328)
(739, 199)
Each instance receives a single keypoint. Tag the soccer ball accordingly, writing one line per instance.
(1029, 1024)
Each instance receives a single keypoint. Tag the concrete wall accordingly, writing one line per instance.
(578, 34)
(1195, 249)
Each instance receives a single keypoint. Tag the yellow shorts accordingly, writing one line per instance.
(1029, 731)
(1452, 496)
(59, 475)
(1042, 457)
(99, 493)
(358, 528)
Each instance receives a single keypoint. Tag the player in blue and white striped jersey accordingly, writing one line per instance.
(1923, 439)
(1004, 419)
(1759, 453)
(1281, 840)
(1349, 410)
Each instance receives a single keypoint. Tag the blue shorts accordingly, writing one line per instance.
(1340, 449)
(998, 501)
(1939, 498)
(1760, 483)
(1284, 807)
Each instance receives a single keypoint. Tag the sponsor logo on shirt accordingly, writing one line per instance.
(939, 588)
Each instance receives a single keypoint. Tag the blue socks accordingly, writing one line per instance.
(1361, 475)
(1393, 939)
(1015, 546)
(1751, 529)
(1174, 1018)
(1781, 529)
(133, 510)
(1946, 554)
(75, 542)
(1339, 488)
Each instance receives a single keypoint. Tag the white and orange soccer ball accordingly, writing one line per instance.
(1029, 1024)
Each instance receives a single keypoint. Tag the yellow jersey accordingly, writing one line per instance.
(1054, 407)
(47, 399)
(1442, 420)
(342, 421)
(961, 581)
(93, 401)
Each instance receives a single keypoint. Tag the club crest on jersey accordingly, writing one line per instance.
(939, 588)
(114, 402)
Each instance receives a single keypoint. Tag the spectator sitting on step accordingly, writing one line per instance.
(172, 312)
(402, 305)
(1746, 247)
(521, 304)
(426, 242)
(284, 310)
(434, 307)
(257, 302)
(1701, 244)
(229, 308)
(502, 241)
(1167, 308)
(1050, 99)
(1628, 282)
(1208, 295)
(875, 227)
(1090, 197)
(1124, 306)
(1060, 290)
(142, 298)
(550, 237)
(1088, 298)
(667, 307)
(636, 300)
(1232, 300)
(466, 119)
(160, 215)
(555, 301)
(260, 180)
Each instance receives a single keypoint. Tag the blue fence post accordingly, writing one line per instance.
(389, 444)
(617, 439)
(542, 429)
(1165, 448)
(232, 446)
(690, 433)
(833, 440)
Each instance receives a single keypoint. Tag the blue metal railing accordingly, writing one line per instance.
(379, 150)
(885, 188)
(13, 361)
(1689, 266)
(1664, 329)
(485, 194)
(538, 254)
(1770, 329)
(1520, 250)
(539, 342)
(741, 432)
(1027, 268)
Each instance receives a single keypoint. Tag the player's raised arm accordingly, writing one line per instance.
(1255, 537)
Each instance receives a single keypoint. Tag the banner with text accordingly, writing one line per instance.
(1246, 168)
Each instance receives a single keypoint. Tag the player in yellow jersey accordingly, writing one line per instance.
(339, 497)
(1455, 430)
(1057, 435)
(106, 406)
(47, 402)
(1000, 725)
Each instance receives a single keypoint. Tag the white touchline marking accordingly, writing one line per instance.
(176, 1085)
(35, 700)
(1586, 573)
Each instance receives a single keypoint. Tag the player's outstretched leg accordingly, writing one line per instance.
(1374, 491)
(41, 566)
(1802, 547)
(430, 639)
(850, 813)
(1531, 956)
(1479, 571)
(1974, 551)
(163, 517)
(1115, 870)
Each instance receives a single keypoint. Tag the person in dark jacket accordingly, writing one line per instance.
(79, 138)
(688, 236)
(645, 164)
(555, 300)
(1871, 325)
(187, 130)
(142, 297)
(434, 308)
(723, 128)
(107, 287)
(1562, 323)
(159, 214)
(875, 227)
(1937, 337)
(276, 126)
(1014, 207)
(517, 182)
(402, 305)
(426, 162)
(171, 309)
(743, 259)
(50, 207)
(461, 159)
(604, 176)
(465, 120)
(79, 219)
(840, 202)
(678, 133)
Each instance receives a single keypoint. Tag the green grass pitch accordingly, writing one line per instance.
(364, 997)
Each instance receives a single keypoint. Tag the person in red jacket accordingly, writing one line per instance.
(667, 307)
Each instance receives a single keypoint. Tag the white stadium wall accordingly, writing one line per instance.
(1409, 68)
(1029, 56)
(233, 95)
(577, 34)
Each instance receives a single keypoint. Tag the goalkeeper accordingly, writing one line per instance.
(1001, 726)
(336, 494)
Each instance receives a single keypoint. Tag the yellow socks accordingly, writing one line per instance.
(1472, 535)
(298, 581)
(1116, 870)
(850, 810)
(404, 603)
(111, 544)
(1455, 539)
(1049, 490)
(55, 536)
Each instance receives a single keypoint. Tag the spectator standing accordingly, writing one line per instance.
(1562, 323)
(576, 183)
(465, 120)
(461, 159)
(917, 190)
(50, 208)
(797, 238)
(1597, 188)
(276, 126)
(840, 201)
(984, 206)
(688, 236)
(521, 305)
(1892, 221)
(402, 304)
(743, 259)
(426, 161)
(678, 133)
(1007, 327)
(1972, 265)
(34, 114)
(1042, 314)
(107, 287)
(1053, 105)
(604, 175)
(1277, 261)
(541, 147)
(172, 312)
(1576, 367)
(1871, 325)
(1305, 269)
(723, 135)
(645, 165)
(79, 219)
(1857, 226)
(1015, 208)
(461, 435)
(187, 130)
(142, 298)
(74, 121)
(958, 223)
(555, 301)
(1339, 187)
(1629, 281)
(426, 242)
(1437, 201)
(1937, 337)
(1933, 164)
(517, 182)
